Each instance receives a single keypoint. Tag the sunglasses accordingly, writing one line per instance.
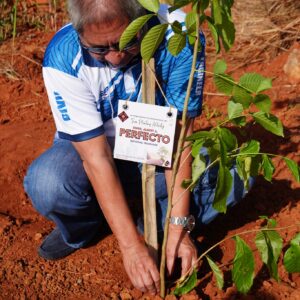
(102, 50)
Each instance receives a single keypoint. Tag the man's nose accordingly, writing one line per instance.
(114, 57)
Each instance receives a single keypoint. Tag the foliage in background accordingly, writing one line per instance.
(17, 16)
(248, 104)
(269, 244)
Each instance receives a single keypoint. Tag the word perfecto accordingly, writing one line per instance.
(144, 135)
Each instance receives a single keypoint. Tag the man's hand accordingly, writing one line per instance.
(141, 268)
(180, 245)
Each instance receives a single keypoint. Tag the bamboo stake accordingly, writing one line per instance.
(148, 173)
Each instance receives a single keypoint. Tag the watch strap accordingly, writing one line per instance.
(188, 223)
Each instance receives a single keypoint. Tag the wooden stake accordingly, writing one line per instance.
(148, 173)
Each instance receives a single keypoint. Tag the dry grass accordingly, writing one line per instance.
(265, 28)
(44, 15)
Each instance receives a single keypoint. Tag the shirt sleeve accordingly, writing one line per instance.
(175, 72)
(73, 106)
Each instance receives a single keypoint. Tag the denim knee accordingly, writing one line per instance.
(39, 185)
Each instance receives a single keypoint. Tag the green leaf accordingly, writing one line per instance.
(241, 121)
(269, 244)
(213, 149)
(228, 138)
(254, 82)
(266, 84)
(244, 169)
(178, 4)
(187, 285)
(214, 34)
(176, 27)
(255, 166)
(224, 83)
(271, 223)
(203, 5)
(227, 34)
(217, 11)
(220, 66)
(243, 266)
(197, 145)
(252, 147)
(263, 102)
(217, 272)
(151, 5)
(176, 43)
(267, 167)
(186, 183)
(202, 134)
(191, 21)
(192, 39)
(235, 110)
(291, 259)
(228, 3)
(198, 167)
(132, 30)
(269, 122)
(152, 40)
(240, 95)
(226, 30)
(223, 188)
(222, 149)
(294, 168)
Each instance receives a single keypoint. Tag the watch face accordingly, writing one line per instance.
(190, 223)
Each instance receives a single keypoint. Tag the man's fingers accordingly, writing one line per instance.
(170, 264)
(194, 262)
(149, 282)
(136, 279)
(155, 275)
(186, 263)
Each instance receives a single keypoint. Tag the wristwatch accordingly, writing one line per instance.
(188, 223)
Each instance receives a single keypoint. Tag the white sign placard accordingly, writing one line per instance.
(145, 133)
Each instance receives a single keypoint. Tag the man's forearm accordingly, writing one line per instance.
(111, 198)
(100, 168)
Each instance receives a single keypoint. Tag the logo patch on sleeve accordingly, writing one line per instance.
(61, 106)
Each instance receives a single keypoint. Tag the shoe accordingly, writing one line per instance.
(53, 247)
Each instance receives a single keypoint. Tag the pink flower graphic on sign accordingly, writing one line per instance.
(123, 116)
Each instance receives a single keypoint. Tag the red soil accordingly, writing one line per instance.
(27, 128)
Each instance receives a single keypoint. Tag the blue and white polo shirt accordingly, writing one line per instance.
(84, 92)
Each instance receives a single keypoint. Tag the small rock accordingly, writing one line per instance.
(267, 284)
(4, 223)
(295, 295)
(19, 222)
(114, 296)
(189, 297)
(292, 66)
(38, 236)
(170, 297)
(125, 295)
(136, 294)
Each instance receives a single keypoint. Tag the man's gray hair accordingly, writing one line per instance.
(83, 12)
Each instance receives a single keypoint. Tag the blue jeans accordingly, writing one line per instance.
(60, 190)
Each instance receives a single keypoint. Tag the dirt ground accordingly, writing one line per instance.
(96, 272)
